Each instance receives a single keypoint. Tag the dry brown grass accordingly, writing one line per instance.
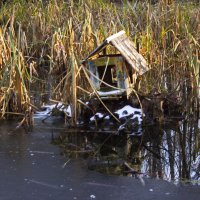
(53, 37)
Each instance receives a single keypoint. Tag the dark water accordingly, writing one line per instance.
(170, 152)
(31, 167)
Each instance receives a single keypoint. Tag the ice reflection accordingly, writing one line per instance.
(166, 152)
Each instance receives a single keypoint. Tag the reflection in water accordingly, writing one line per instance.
(166, 152)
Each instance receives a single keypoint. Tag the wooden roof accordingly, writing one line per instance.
(126, 47)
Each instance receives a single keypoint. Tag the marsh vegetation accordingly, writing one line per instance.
(43, 42)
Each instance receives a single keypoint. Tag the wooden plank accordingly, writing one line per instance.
(132, 48)
(103, 61)
(133, 57)
(123, 51)
(96, 51)
(93, 70)
(112, 37)
(128, 50)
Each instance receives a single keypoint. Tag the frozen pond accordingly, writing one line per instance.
(32, 168)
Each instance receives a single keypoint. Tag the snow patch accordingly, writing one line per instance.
(128, 110)
(113, 92)
(68, 111)
(139, 118)
(96, 116)
(47, 109)
(107, 117)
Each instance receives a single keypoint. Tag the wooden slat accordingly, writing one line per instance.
(130, 45)
(134, 55)
(126, 48)
(102, 61)
(125, 54)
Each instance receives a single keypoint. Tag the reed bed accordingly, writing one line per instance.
(49, 39)
(14, 73)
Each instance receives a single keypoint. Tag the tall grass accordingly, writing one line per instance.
(14, 73)
(54, 36)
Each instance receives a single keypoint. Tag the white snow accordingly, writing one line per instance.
(138, 117)
(99, 115)
(127, 110)
(107, 117)
(196, 162)
(121, 127)
(49, 107)
(68, 111)
(47, 110)
(139, 133)
(113, 92)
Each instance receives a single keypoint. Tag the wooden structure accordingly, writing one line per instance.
(115, 74)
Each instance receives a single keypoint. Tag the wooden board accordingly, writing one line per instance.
(103, 61)
(126, 48)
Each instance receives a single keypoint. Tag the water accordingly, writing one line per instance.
(169, 152)
(33, 168)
